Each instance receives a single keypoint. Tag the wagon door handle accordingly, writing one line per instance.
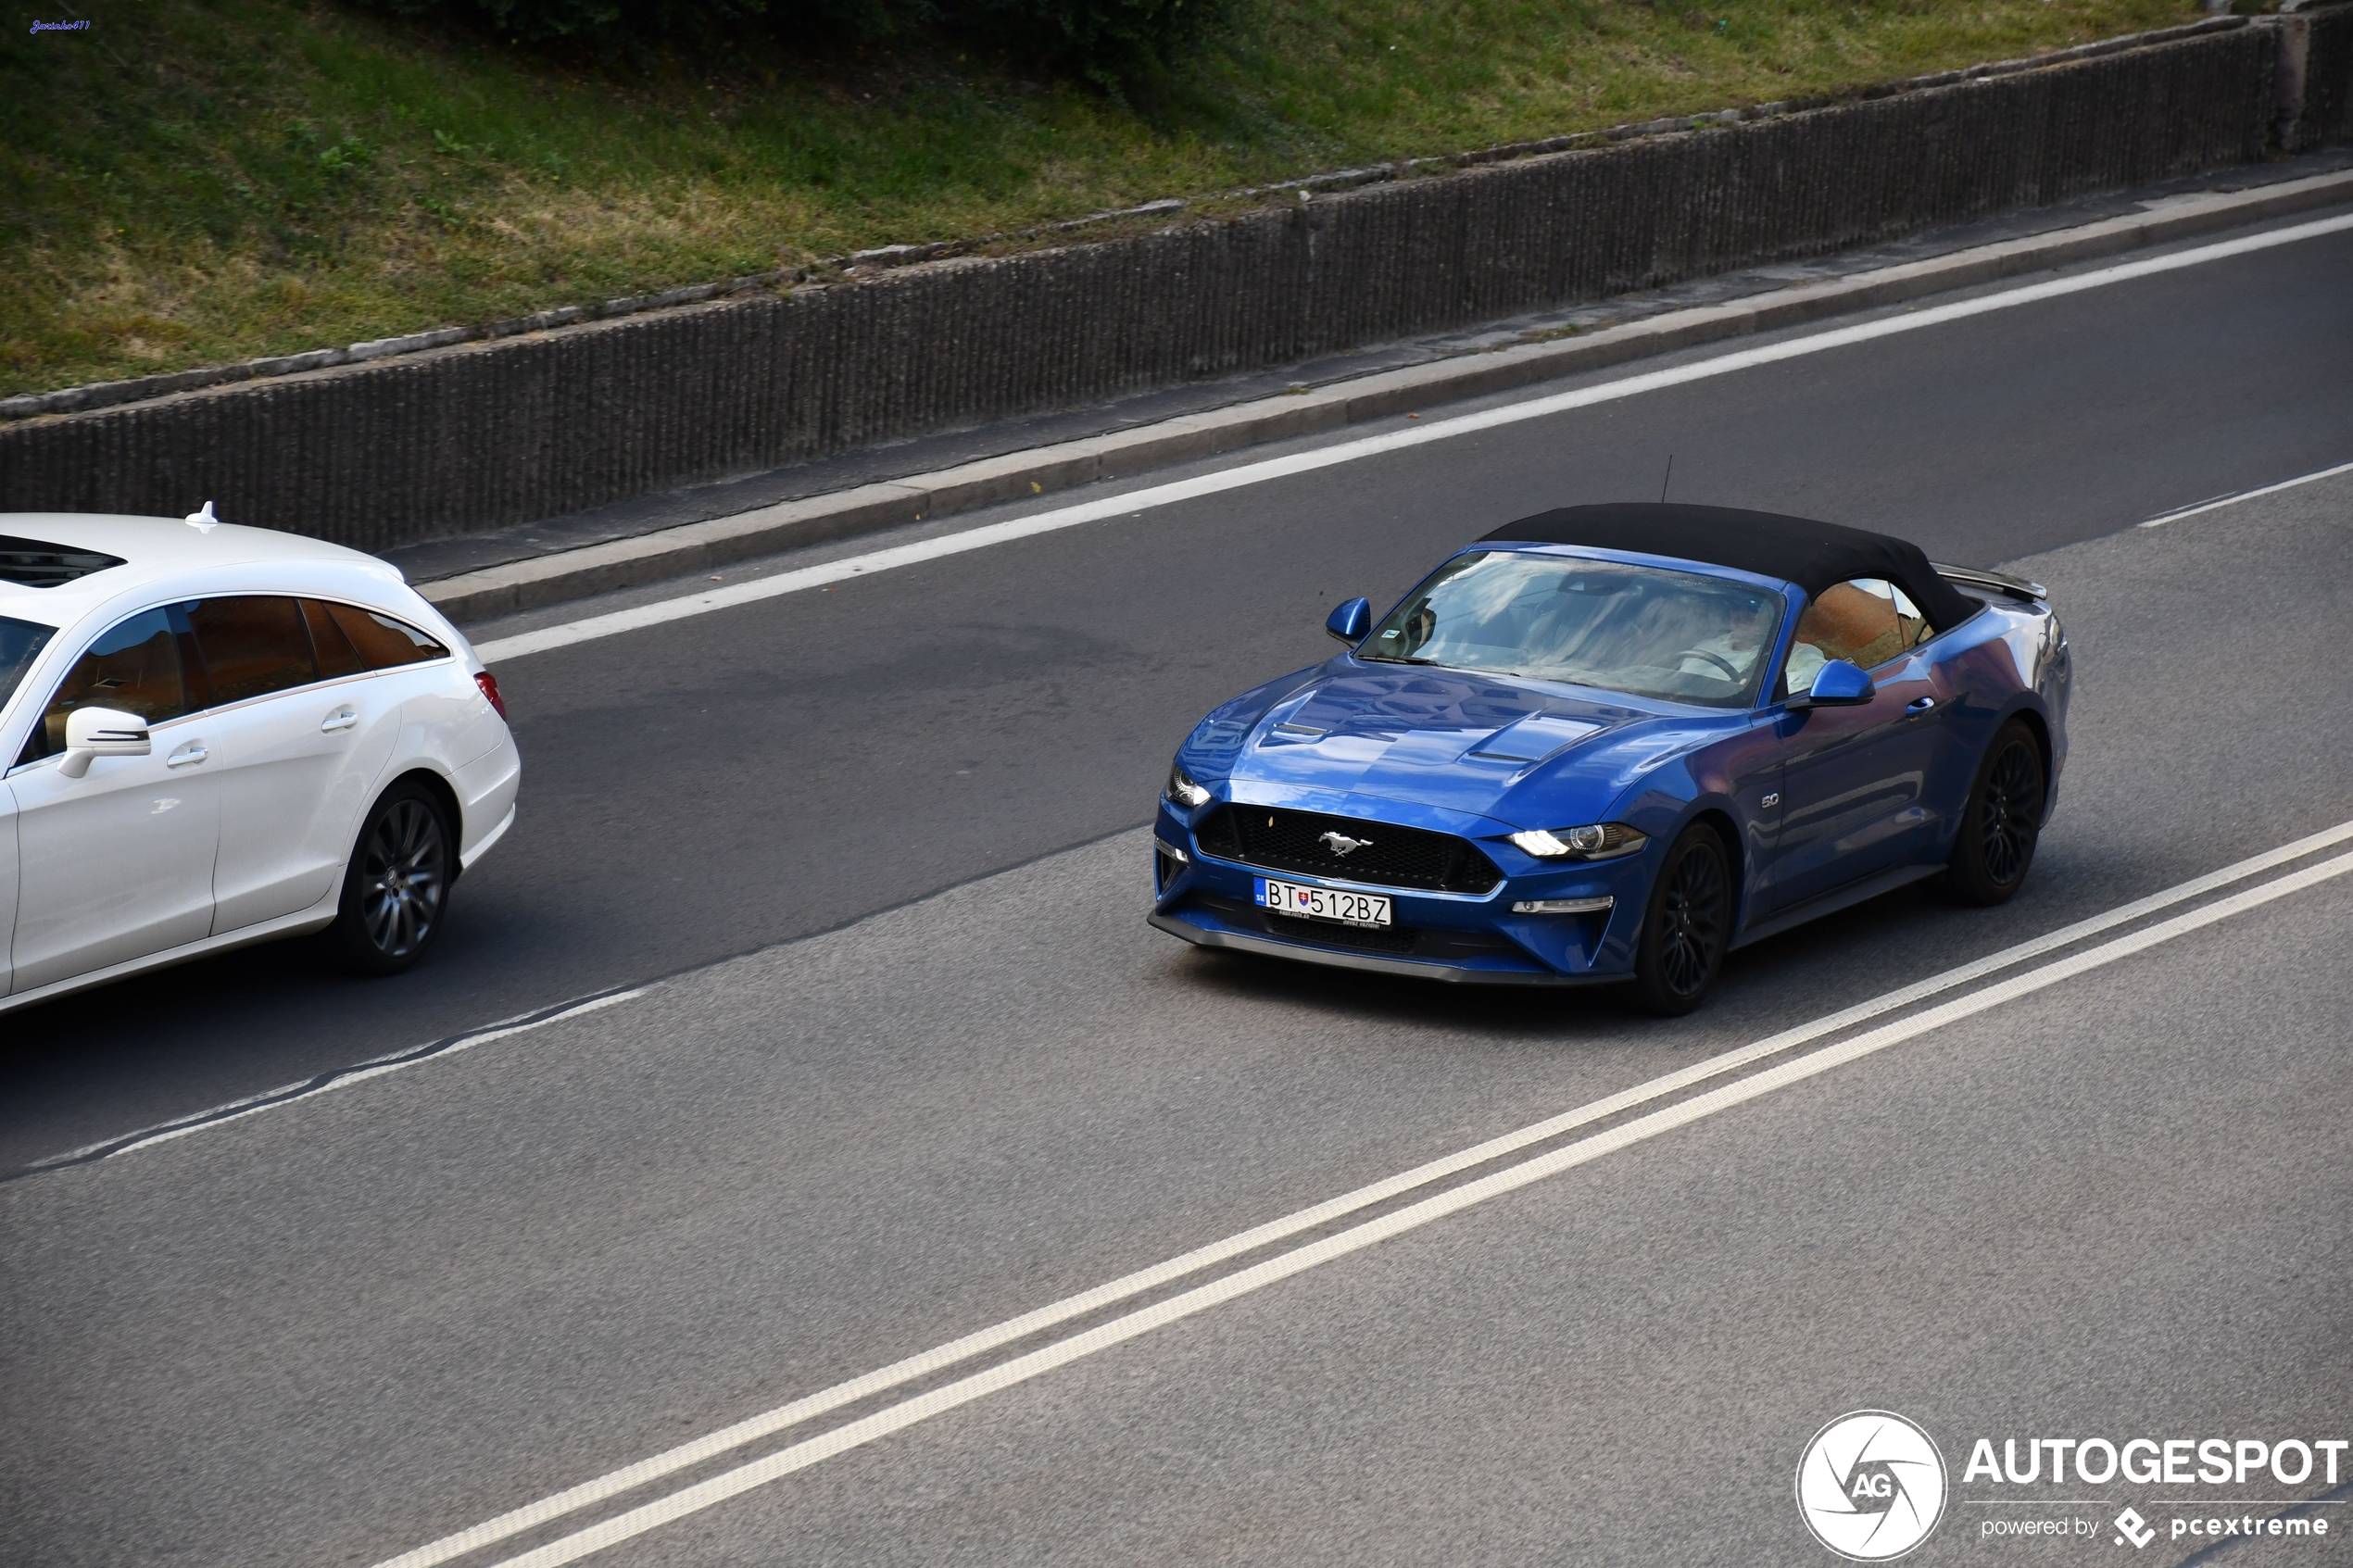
(341, 719)
(1919, 705)
(192, 752)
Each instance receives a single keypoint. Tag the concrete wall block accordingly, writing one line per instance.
(2316, 106)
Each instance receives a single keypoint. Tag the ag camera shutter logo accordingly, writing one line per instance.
(1871, 1486)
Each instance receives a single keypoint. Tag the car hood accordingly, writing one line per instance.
(1523, 753)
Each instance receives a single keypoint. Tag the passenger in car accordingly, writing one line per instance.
(1866, 621)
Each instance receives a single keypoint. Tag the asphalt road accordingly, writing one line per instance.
(743, 778)
(338, 1329)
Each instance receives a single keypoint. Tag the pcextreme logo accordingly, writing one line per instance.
(1871, 1486)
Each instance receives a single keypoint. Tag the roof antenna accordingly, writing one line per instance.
(204, 523)
(1662, 483)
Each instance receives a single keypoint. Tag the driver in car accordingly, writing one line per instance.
(1731, 653)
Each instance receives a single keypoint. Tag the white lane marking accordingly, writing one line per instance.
(603, 1487)
(257, 1104)
(800, 1456)
(616, 621)
(2162, 518)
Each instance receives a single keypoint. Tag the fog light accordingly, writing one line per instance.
(1562, 906)
(1168, 863)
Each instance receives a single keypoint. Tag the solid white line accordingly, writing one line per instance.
(363, 1073)
(603, 1487)
(800, 1456)
(2221, 501)
(617, 622)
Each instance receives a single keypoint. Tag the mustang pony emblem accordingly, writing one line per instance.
(1340, 843)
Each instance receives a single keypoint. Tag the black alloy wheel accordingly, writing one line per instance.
(398, 884)
(2002, 821)
(1687, 926)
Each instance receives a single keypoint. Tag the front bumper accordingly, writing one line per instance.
(1462, 938)
(1419, 969)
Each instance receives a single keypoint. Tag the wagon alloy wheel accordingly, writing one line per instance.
(404, 878)
(397, 886)
(2002, 820)
(1683, 934)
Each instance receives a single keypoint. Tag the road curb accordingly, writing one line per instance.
(672, 552)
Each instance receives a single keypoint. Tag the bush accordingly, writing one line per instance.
(1110, 43)
(605, 24)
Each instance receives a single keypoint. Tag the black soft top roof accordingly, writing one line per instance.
(1812, 555)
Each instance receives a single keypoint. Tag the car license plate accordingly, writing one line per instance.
(1320, 903)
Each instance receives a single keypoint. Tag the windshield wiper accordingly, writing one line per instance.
(1399, 658)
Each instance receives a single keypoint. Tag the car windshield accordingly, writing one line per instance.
(20, 644)
(1644, 631)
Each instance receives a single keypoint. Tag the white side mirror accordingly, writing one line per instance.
(101, 731)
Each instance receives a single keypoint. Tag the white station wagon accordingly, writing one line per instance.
(213, 735)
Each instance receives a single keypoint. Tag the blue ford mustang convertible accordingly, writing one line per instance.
(1612, 743)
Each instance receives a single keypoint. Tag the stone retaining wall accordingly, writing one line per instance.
(2317, 109)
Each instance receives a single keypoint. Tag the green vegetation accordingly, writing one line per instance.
(193, 182)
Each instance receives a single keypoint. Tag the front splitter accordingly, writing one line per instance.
(1411, 968)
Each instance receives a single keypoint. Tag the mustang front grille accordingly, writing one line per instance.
(1384, 855)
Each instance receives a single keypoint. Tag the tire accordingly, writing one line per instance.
(2002, 821)
(395, 891)
(1687, 926)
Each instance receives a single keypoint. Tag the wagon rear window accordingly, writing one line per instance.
(378, 640)
(33, 564)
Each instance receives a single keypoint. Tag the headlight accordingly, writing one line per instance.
(1182, 790)
(1601, 841)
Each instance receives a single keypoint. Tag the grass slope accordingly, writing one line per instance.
(191, 181)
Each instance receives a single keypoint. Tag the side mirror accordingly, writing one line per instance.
(1836, 684)
(1350, 621)
(93, 733)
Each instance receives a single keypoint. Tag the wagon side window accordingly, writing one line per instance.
(1865, 621)
(252, 645)
(138, 666)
